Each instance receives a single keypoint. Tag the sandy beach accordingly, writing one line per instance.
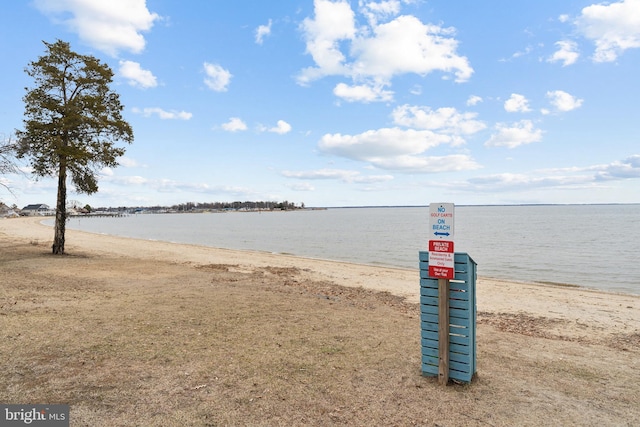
(547, 354)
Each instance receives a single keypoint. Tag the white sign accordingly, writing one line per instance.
(441, 255)
(441, 221)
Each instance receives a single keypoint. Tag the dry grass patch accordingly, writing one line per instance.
(132, 342)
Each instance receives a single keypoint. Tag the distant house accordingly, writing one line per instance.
(6, 211)
(37, 209)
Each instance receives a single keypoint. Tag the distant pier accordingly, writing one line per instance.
(99, 215)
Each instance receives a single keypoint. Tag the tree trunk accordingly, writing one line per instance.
(61, 210)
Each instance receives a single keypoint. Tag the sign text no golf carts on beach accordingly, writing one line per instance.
(441, 253)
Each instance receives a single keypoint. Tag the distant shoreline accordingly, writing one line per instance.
(392, 237)
(167, 209)
(483, 205)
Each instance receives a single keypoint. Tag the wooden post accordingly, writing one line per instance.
(443, 331)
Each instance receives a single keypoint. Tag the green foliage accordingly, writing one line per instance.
(73, 120)
(248, 205)
(72, 123)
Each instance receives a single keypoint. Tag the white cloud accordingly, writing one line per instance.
(136, 180)
(362, 93)
(373, 179)
(382, 8)
(507, 182)
(628, 168)
(217, 78)
(517, 104)
(567, 53)
(520, 133)
(106, 172)
(136, 75)
(109, 26)
(163, 114)
(396, 149)
(562, 101)
(415, 90)
(340, 174)
(386, 142)
(445, 120)
(171, 186)
(614, 28)
(302, 186)
(262, 31)
(128, 180)
(337, 174)
(406, 45)
(127, 162)
(527, 50)
(281, 128)
(571, 177)
(164, 185)
(333, 23)
(375, 53)
(473, 100)
(428, 164)
(379, 10)
(234, 124)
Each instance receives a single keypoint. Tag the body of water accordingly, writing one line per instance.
(595, 246)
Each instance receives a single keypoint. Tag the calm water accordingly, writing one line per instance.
(594, 246)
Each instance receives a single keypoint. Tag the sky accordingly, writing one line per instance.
(349, 103)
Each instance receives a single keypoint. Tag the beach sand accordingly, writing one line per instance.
(133, 332)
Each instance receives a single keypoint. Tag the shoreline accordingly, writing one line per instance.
(493, 295)
(634, 291)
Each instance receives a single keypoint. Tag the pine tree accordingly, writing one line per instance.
(72, 123)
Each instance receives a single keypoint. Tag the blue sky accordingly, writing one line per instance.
(346, 103)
